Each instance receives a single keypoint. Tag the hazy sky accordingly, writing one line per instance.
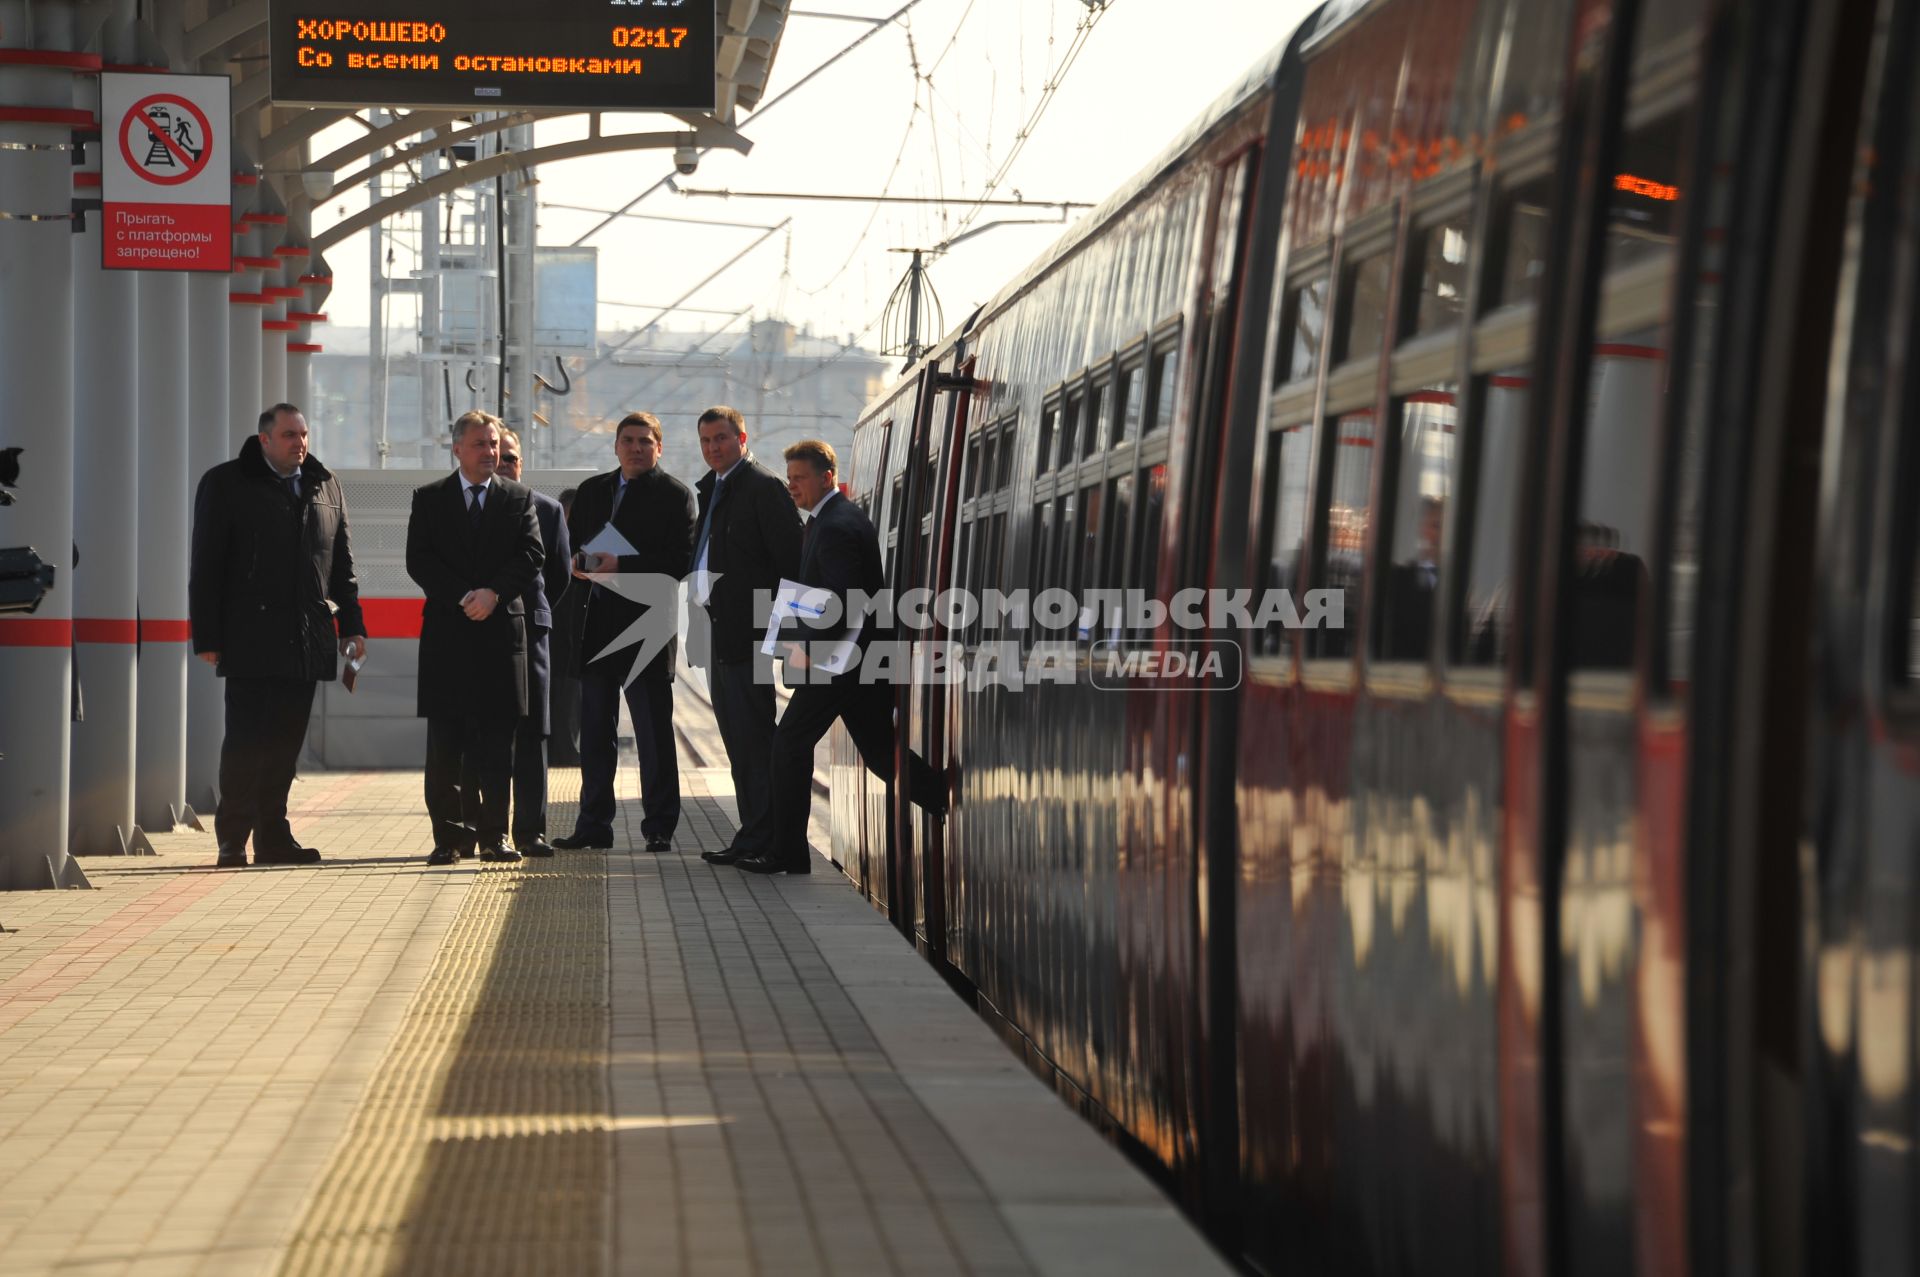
(1146, 69)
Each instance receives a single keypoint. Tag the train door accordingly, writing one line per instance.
(1199, 935)
(924, 705)
(921, 557)
(1666, 646)
(1861, 819)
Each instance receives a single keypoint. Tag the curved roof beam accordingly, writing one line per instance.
(438, 141)
(303, 126)
(245, 21)
(713, 137)
(393, 134)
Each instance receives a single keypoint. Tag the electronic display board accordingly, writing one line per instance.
(633, 55)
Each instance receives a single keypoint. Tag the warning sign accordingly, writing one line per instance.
(166, 178)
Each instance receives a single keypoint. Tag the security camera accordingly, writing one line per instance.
(318, 183)
(686, 158)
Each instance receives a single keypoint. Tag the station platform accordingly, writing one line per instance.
(600, 1063)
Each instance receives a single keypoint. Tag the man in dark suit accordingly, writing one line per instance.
(569, 615)
(749, 539)
(473, 546)
(654, 512)
(542, 601)
(840, 553)
(270, 552)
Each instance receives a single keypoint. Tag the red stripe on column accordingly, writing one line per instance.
(29, 632)
(392, 618)
(93, 629)
(166, 631)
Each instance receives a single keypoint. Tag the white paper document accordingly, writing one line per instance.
(792, 601)
(609, 541)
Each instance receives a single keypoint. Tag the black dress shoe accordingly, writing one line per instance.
(500, 854)
(762, 864)
(581, 841)
(732, 855)
(231, 859)
(658, 843)
(443, 856)
(294, 855)
(539, 848)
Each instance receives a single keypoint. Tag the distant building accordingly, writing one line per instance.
(790, 384)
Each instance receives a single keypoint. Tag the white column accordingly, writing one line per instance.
(208, 436)
(37, 119)
(106, 497)
(164, 549)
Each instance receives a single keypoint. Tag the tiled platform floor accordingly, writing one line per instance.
(603, 1063)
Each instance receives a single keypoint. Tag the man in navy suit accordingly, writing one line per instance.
(530, 736)
(473, 548)
(840, 552)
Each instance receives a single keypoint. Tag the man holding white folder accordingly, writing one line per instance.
(840, 555)
(637, 519)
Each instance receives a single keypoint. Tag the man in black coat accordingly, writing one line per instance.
(473, 547)
(654, 512)
(542, 602)
(749, 540)
(840, 553)
(271, 565)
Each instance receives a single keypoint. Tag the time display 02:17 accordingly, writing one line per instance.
(649, 37)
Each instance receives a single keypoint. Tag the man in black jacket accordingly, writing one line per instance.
(271, 565)
(473, 547)
(841, 553)
(542, 600)
(654, 513)
(749, 540)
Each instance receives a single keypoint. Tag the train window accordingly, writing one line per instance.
(894, 502)
(1442, 257)
(1005, 474)
(1485, 624)
(1536, 58)
(1349, 511)
(1523, 230)
(1037, 564)
(996, 542)
(1913, 612)
(1119, 521)
(972, 489)
(1364, 306)
(1661, 26)
(1643, 215)
(1049, 426)
(988, 444)
(1094, 432)
(1302, 319)
(1153, 513)
(1066, 538)
(1133, 394)
(1166, 363)
(1616, 485)
(1289, 474)
(1422, 488)
(1069, 428)
(1087, 571)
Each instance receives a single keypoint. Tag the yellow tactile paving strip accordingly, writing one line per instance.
(482, 1145)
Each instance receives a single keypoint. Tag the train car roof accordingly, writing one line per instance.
(1256, 81)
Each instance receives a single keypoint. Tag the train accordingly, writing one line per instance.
(1558, 911)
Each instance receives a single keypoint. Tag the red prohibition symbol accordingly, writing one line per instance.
(166, 139)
